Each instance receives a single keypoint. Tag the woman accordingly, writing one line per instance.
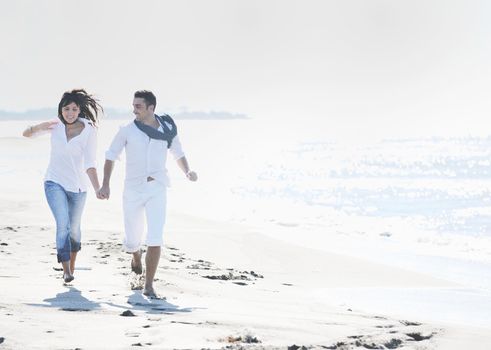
(73, 153)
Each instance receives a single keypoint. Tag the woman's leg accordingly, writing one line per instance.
(76, 204)
(73, 258)
(58, 203)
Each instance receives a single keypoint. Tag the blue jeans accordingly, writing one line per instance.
(67, 208)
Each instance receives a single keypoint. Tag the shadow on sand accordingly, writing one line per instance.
(71, 300)
(138, 302)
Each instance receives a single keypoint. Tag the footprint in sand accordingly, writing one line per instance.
(132, 334)
(296, 347)
(247, 339)
(409, 323)
(386, 334)
(137, 281)
(234, 276)
(240, 283)
(419, 337)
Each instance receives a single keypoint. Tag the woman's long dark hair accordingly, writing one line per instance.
(89, 106)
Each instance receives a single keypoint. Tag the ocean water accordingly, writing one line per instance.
(418, 202)
(422, 203)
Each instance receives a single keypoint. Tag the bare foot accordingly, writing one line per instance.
(150, 292)
(68, 277)
(67, 273)
(136, 263)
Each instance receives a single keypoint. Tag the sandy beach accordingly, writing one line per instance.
(342, 152)
(227, 284)
(224, 287)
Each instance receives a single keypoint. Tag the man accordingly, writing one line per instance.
(146, 141)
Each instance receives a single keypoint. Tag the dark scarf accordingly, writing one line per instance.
(168, 134)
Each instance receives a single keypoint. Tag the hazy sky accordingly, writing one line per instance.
(357, 62)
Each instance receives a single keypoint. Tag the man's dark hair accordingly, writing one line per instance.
(148, 96)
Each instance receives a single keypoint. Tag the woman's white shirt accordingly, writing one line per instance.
(69, 160)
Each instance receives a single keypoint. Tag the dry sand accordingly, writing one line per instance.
(224, 286)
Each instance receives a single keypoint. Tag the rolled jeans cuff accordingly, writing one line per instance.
(75, 246)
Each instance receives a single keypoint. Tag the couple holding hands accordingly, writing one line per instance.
(146, 142)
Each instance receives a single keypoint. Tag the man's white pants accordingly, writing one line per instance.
(148, 199)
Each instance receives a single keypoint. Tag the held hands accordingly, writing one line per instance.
(103, 192)
(192, 176)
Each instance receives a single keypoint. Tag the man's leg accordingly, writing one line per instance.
(133, 226)
(151, 262)
(155, 211)
(136, 262)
